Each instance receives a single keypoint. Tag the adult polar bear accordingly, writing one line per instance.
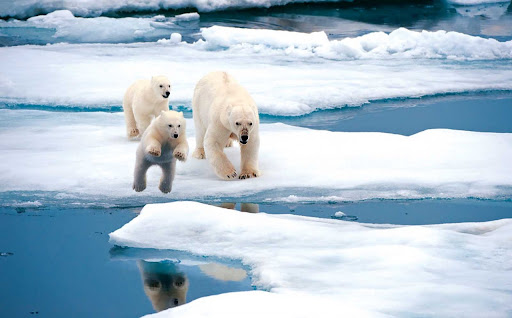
(143, 101)
(223, 109)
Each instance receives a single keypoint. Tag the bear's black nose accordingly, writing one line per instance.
(175, 135)
(167, 94)
(244, 138)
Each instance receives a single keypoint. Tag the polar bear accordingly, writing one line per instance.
(223, 109)
(143, 101)
(162, 143)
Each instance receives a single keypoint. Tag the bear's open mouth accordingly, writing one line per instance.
(165, 96)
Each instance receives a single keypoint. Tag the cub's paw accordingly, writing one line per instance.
(246, 174)
(165, 188)
(180, 155)
(139, 187)
(134, 132)
(154, 151)
(199, 153)
(229, 143)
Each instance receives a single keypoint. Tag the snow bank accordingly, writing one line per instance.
(88, 155)
(336, 267)
(401, 43)
(288, 81)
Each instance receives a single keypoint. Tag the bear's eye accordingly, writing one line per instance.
(250, 124)
(237, 123)
(161, 86)
(170, 125)
(169, 85)
(179, 126)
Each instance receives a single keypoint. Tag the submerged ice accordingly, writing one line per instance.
(334, 268)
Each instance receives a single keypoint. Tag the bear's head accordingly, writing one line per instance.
(161, 86)
(172, 123)
(243, 120)
(165, 286)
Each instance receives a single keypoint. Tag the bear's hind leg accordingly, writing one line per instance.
(131, 126)
(168, 171)
(139, 180)
(200, 132)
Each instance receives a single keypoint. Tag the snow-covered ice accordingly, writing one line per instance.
(65, 27)
(376, 66)
(88, 155)
(335, 268)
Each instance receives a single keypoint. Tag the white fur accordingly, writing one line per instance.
(223, 109)
(162, 143)
(143, 101)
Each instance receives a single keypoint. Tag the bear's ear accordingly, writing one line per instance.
(181, 113)
(162, 112)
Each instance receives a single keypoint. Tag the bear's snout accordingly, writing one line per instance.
(244, 139)
(166, 94)
(175, 136)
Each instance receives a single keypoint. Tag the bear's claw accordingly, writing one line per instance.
(249, 174)
(134, 132)
(154, 152)
(180, 156)
(233, 175)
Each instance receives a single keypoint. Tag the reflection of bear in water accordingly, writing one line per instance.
(164, 285)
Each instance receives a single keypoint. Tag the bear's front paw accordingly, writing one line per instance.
(180, 155)
(228, 173)
(199, 153)
(154, 151)
(134, 132)
(139, 187)
(246, 174)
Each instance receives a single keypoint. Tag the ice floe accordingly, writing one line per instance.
(285, 81)
(87, 155)
(334, 268)
(63, 26)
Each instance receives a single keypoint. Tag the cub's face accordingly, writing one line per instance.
(164, 285)
(161, 86)
(242, 123)
(172, 123)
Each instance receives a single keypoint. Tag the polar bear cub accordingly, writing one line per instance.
(143, 101)
(162, 143)
(223, 109)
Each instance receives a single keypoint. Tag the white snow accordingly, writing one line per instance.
(401, 43)
(334, 268)
(288, 81)
(88, 155)
(192, 16)
(339, 214)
